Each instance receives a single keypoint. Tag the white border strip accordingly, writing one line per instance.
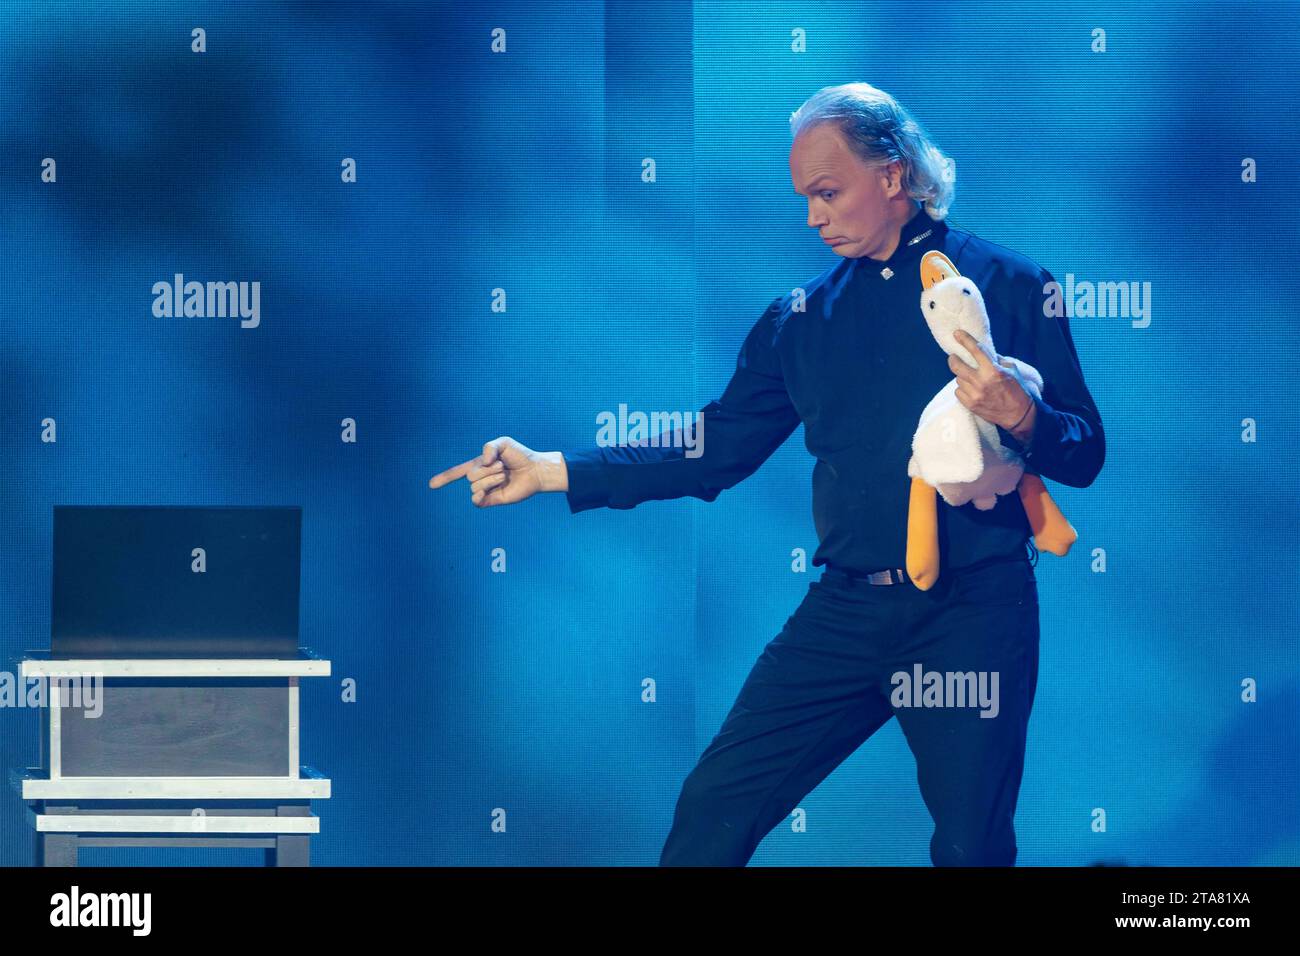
(176, 823)
(196, 667)
(176, 788)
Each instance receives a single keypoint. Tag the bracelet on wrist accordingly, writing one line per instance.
(1022, 417)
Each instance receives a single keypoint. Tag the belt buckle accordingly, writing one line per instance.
(886, 576)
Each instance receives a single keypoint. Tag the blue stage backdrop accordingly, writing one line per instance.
(532, 686)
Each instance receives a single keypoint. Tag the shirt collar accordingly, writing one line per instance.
(918, 235)
(919, 228)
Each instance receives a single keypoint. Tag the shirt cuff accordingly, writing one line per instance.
(1046, 432)
(588, 483)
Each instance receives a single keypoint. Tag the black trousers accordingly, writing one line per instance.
(830, 679)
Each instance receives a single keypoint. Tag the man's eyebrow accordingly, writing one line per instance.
(816, 181)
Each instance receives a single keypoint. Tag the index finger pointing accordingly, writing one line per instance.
(451, 474)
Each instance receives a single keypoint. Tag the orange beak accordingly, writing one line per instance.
(935, 267)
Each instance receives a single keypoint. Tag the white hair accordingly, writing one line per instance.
(880, 130)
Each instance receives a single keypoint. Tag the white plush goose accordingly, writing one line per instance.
(958, 454)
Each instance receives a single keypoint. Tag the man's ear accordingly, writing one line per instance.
(892, 176)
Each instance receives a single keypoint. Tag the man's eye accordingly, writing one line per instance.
(827, 194)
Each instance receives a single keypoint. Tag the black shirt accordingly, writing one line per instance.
(851, 357)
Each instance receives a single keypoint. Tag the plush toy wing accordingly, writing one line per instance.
(1030, 377)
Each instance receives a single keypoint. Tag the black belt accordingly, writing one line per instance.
(899, 575)
(887, 576)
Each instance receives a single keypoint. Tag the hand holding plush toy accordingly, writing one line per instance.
(957, 454)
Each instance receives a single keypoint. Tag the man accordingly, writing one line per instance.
(851, 357)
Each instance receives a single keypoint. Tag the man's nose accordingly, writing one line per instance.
(815, 220)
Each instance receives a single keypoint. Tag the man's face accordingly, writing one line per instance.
(848, 201)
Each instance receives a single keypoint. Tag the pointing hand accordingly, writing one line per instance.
(507, 472)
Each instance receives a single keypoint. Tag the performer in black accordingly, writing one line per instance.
(854, 361)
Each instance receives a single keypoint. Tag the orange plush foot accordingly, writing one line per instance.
(923, 535)
(1051, 531)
